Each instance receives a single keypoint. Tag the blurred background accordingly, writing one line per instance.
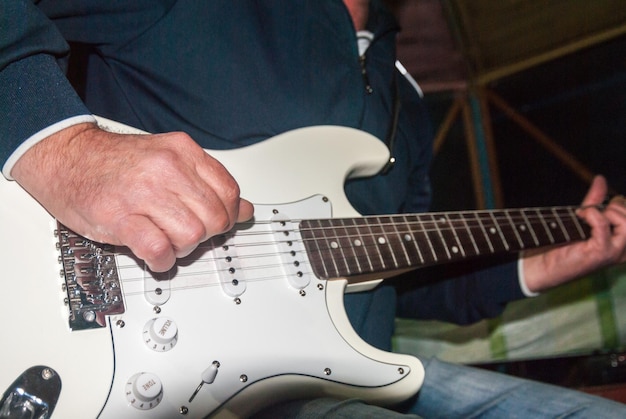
(560, 65)
(528, 102)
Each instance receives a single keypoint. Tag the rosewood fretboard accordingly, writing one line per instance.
(348, 247)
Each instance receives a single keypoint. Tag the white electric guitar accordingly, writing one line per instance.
(252, 317)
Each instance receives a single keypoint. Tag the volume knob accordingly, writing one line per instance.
(160, 334)
(144, 390)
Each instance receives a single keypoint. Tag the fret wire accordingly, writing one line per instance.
(443, 240)
(369, 259)
(514, 227)
(525, 228)
(576, 220)
(370, 243)
(322, 260)
(415, 241)
(490, 233)
(438, 230)
(560, 223)
(471, 235)
(377, 243)
(530, 227)
(387, 243)
(430, 243)
(497, 226)
(482, 228)
(495, 217)
(329, 243)
(454, 233)
(496, 233)
(353, 245)
(341, 248)
(400, 238)
(545, 225)
(496, 213)
(428, 226)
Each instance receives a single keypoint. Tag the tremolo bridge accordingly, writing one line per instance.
(91, 279)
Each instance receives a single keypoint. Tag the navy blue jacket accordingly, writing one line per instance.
(232, 74)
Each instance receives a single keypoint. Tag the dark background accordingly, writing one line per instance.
(578, 100)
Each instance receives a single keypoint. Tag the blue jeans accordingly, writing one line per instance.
(456, 391)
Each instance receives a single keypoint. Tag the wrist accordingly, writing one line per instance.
(42, 160)
(50, 131)
(522, 279)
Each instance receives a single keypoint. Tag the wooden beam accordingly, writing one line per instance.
(491, 148)
(507, 70)
(445, 126)
(474, 159)
(543, 139)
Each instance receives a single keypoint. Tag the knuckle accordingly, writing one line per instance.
(194, 234)
(232, 194)
(155, 251)
(234, 189)
(221, 223)
(165, 158)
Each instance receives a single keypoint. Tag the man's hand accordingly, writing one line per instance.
(160, 195)
(606, 246)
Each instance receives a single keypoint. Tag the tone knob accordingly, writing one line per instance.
(144, 390)
(160, 334)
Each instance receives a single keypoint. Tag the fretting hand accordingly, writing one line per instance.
(545, 269)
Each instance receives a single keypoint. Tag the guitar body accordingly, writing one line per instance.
(236, 326)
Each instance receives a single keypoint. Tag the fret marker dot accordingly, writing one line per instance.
(552, 224)
(492, 230)
(334, 245)
(522, 227)
(381, 240)
(442, 220)
(357, 242)
(455, 249)
(407, 238)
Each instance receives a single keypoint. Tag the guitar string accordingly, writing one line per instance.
(445, 225)
(365, 246)
(443, 222)
(265, 267)
(368, 238)
(495, 215)
(438, 228)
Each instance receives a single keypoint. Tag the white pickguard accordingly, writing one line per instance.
(284, 338)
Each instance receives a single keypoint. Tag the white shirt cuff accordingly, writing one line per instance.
(39, 136)
(522, 281)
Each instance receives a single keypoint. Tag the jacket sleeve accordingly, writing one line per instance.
(35, 92)
(456, 296)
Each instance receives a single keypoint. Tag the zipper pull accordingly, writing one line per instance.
(366, 80)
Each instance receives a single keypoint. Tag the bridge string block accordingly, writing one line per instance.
(91, 279)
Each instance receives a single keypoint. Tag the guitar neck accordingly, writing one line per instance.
(361, 247)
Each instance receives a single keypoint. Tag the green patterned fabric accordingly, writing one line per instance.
(581, 317)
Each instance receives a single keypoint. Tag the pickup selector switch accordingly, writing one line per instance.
(160, 334)
(144, 390)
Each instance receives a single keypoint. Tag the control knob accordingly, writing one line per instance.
(144, 390)
(160, 334)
